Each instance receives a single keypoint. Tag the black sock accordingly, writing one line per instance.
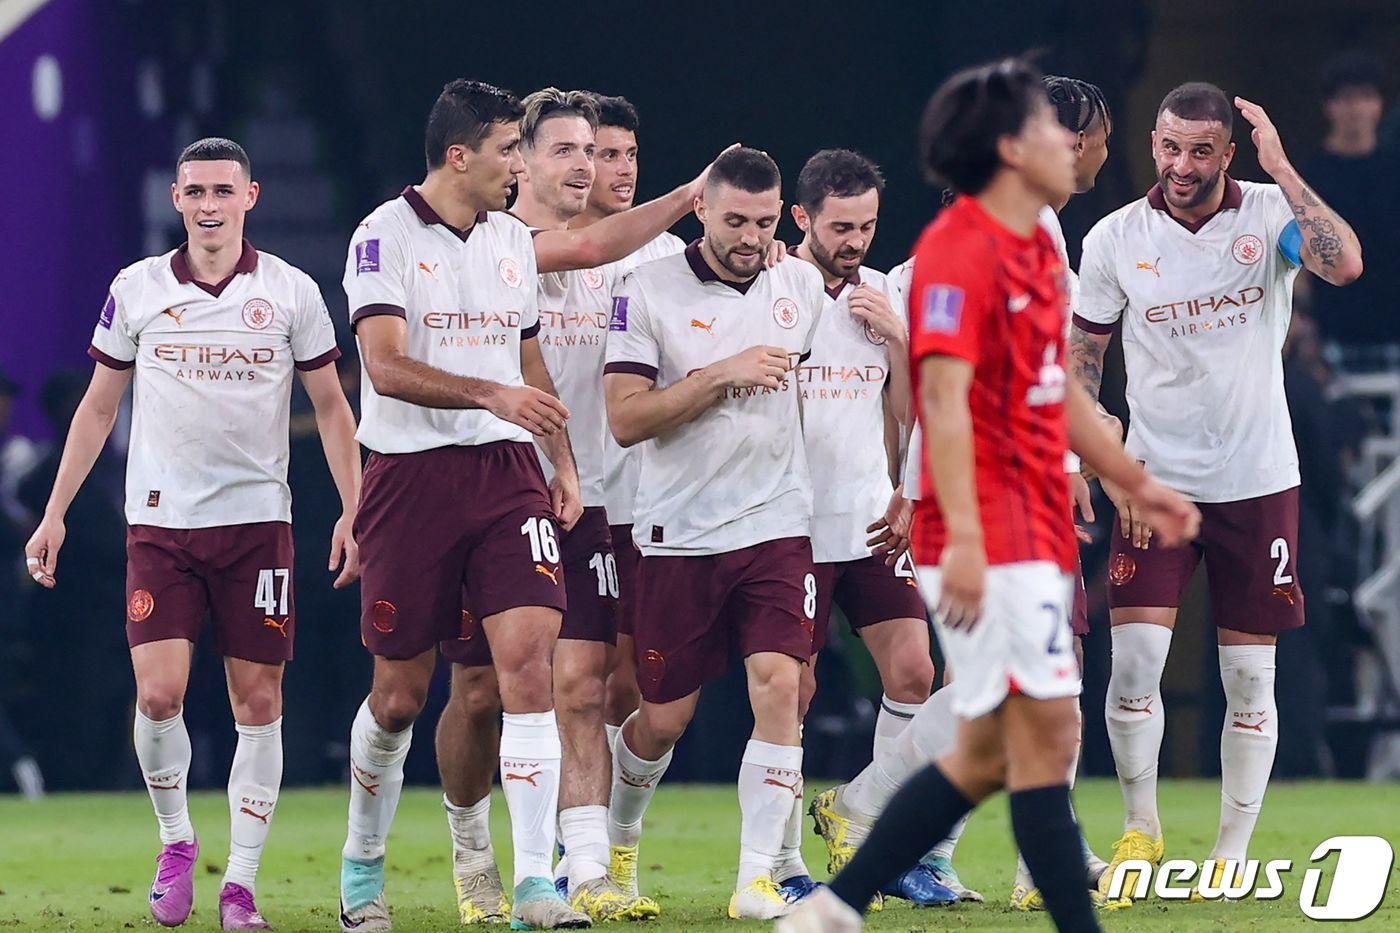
(1049, 839)
(920, 814)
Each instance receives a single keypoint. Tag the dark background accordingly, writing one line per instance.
(330, 97)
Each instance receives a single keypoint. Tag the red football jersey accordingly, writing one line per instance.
(998, 300)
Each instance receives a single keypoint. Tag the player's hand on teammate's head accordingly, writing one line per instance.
(963, 569)
(777, 252)
(1172, 516)
(697, 187)
(41, 552)
(534, 410)
(755, 367)
(345, 552)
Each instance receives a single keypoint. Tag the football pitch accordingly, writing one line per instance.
(83, 861)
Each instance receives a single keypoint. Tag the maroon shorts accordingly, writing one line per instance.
(590, 582)
(1079, 613)
(628, 558)
(694, 613)
(868, 591)
(1249, 548)
(436, 521)
(241, 575)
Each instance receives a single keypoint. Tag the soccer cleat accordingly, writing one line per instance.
(1029, 899)
(840, 832)
(823, 912)
(945, 874)
(539, 907)
(603, 899)
(237, 910)
(172, 890)
(760, 899)
(1217, 881)
(362, 906)
(798, 887)
(622, 868)
(918, 886)
(1133, 844)
(481, 898)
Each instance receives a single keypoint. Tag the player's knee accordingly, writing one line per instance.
(622, 696)
(580, 697)
(910, 678)
(397, 709)
(477, 694)
(159, 702)
(806, 690)
(660, 725)
(774, 690)
(257, 708)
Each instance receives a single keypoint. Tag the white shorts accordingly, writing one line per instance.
(1021, 643)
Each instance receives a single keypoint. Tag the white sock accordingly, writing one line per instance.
(1247, 743)
(1135, 718)
(613, 732)
(163, 749)
(633, 785)
(470, 826)
(530, 765)
(584, 831)
(770, 776)
(928, 735)
(790, 863)
(376, 780)
(949, 843)
(253, 783)
(894, 717)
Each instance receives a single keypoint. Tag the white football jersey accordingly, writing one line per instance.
(736, 475)
(1204, 318)
(468, 298)
(623, 465)
(843, 413)
(213, 384)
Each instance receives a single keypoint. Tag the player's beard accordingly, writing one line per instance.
(726, 258)
(830, 262)
(1203, 190)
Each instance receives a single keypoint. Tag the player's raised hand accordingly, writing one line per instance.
(964, 572)
(873, 307)
(345, 553)
(566, 500)
(889, 534)
(1171, 515)
(41, 553)
(755, 367)
(697, 187)
(537, 412)
(1267, 143)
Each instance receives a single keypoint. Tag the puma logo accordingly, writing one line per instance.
(1251, 726)
(627, 779)
(1146, 708)
(552, 574)
(431, 270)
(178, 316)
(175, 786)
(1150, 266)
(527, 778)
(281, 627)
(257, 816)
(356, 771)
(701, 325)
(795, 786)
(1285, 594)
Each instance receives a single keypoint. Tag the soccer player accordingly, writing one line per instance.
(855, 393)
(700, 351)
(557, 146)
(442, 293)
(993, 537)
(211, 333)
(1201, 273)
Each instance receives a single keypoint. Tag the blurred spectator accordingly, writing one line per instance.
(77, 628)
(1357, 176)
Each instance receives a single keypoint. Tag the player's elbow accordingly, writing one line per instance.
(1347, 270)
(385, 374)
(623, 431)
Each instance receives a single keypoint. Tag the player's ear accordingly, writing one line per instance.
(1079, 144)
(1228, 157)
(175, 196)
(799, 217)
(252, 196)
(700, 207)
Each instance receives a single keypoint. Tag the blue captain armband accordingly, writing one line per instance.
(1290, 243)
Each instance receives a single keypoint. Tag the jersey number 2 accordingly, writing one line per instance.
(1278, 550)
(267, 598)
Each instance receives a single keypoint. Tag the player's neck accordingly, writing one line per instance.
(717, 267)
(213, 266)
(452, 204)
(1355, 143)
(1012, 204)
(535, 214)
(590, 215)
(804, 251)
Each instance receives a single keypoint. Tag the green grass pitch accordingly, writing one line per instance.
(83, 862)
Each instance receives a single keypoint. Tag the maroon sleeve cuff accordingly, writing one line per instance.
(531, 331)
(1092, 327)
(375, 310)
(330, 356)
(632, 369)
(111, 362)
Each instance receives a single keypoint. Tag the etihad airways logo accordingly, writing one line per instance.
(214, 355)
(469, 320)
(1197, 307)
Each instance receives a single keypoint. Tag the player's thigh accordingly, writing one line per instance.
(1250, 550)
(773, 604)
(900, 650)
(1041, 736)
(628, 560)
(1148, 578)
(825, 575)
(660, 725)
(591, 581)
(580, 676)
(162, 671)
(681, 639)
(250, 579)
(475, 689)
(166, 597)
(254, 690)
(470, 648)
(516, 563)
(522, 642)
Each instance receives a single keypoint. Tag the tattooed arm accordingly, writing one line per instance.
(1086, 352)
(1330, 250)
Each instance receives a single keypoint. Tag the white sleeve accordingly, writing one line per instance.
(113, 344)
(632, 346)
(376, 272)
(313, 335)
(1101, 298)
(530, 313)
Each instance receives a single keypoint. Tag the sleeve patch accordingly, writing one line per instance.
(942, 312)
(367, 256)
(618, 319)
(109, 311)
